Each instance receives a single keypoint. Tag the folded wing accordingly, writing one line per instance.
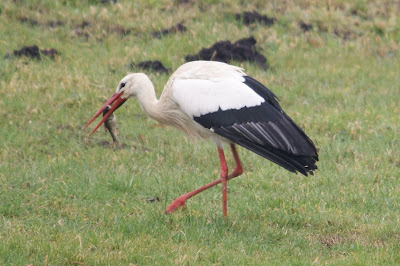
(244, 111)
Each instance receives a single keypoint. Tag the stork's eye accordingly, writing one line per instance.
(122, 85)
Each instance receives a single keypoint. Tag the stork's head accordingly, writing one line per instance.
(129, 86)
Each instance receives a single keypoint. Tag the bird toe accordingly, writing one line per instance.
(175, 205)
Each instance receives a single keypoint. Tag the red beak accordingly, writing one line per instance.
(117, 100)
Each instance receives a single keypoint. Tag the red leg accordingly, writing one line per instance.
(238, 168)
(180, 201)
(223, 175)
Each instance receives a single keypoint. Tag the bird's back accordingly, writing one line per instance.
(205, 70)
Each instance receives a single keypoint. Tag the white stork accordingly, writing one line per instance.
(217, 101)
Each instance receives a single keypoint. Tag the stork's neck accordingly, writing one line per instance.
(148, 100)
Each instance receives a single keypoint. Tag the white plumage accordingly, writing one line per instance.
(219, 101)
(211, 95)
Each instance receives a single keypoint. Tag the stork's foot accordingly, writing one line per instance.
(179, 202)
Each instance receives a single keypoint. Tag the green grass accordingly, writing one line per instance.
(66, 198)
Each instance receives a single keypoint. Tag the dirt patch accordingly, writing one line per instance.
(224, 51)
(305, 26)
(54, 23)
(33, 52)
(86, 29)
(175, 29)
(155, 65)
(30, 21)
(83, 25)
(332, 240)
(153, 199)
(347, 34)
(50, 52)
(81, 31)
(360, 13)
(108, 1)
(253, 17)
(33, 22)
(118, 29)
(183, 2)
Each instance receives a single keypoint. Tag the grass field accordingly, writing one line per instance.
(66, 198)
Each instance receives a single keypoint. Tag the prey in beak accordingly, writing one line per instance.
(111, 126)
(117, 100)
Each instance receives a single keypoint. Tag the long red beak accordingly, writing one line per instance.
(117, 100)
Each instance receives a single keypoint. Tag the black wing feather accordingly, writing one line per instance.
(265, 130)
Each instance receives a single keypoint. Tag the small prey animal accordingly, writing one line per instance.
(110, 125)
